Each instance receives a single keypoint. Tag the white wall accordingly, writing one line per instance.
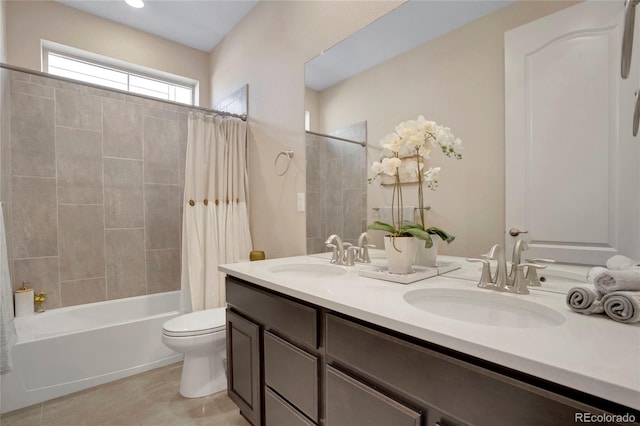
(3, 30)
(30, 21)
(267, 50)
(456, 80)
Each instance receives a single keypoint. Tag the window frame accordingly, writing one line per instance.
(93, 59)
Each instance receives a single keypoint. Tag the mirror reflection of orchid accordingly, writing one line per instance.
(410, 146)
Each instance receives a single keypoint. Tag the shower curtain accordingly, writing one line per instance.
(215, 226)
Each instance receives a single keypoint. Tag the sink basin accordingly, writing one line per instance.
(484, 307)
(314, 270)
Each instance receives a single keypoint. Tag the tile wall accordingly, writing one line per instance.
(336, 190)
(96, 183)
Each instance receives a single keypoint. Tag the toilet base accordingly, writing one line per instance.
(202, 375)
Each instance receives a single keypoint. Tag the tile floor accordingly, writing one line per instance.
(146, 399)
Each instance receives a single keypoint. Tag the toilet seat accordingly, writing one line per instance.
(196, 323)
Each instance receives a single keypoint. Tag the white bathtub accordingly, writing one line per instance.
(69, 349)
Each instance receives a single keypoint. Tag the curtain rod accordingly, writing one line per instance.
(242, 117)
(363, 144)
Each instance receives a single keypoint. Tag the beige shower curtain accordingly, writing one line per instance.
(215, 226)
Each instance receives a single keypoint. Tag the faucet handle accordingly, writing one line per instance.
(532, 273)
(522, 280)
(485, 278)
(363, 253)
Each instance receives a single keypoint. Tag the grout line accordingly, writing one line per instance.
(104, 208)
(84, 279)
(55, 155)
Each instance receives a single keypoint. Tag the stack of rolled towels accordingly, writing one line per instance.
(614, 291)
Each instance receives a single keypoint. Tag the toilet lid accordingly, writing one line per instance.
(195, 323)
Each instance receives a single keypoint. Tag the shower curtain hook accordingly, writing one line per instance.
(289, 155)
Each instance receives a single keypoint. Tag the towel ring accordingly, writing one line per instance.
(289, 155)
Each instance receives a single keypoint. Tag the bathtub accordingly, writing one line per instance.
(69, 349)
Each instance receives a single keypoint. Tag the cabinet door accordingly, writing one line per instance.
(349, 402)
(243, 361)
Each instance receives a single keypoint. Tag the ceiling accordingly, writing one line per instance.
(408, 26)
(200, 24)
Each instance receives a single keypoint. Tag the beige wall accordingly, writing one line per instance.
(267, 50)
(30, 21)
(456, 80)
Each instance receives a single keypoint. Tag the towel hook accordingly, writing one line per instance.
(289, 155)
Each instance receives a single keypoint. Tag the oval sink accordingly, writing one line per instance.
(484, 307)
(308, 270)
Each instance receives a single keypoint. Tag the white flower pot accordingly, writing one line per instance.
(426, 256)
(400, 252)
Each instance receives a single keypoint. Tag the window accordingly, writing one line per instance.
(80, 67)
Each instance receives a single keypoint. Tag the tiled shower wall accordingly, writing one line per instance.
(336, 189)
(96, 191)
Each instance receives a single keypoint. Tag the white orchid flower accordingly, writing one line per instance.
(391, 142)
(390, 165)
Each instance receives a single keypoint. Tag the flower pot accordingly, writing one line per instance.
(426, 256)
(400, 252)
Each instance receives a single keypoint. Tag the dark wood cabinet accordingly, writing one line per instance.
(287, 377)
(293, 363)
(243, 366)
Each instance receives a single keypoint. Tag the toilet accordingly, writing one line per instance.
(201, 337)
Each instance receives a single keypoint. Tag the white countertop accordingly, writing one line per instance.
(593, 354)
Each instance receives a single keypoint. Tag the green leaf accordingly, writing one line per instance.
(381, 226)
(421, 234)
(448, 238)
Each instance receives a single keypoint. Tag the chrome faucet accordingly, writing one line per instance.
(363, 249)
(500, 279)
(516, 280)
(518, 248)
(338, 249)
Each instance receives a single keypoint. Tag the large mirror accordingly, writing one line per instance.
(445, 60)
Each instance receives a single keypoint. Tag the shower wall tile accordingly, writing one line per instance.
(78, 110)
(123, 193)
(163, 270)
(161, 150)
(316, 215)
(334, 183)
(160, 112)
(122, 129)
(76, 160)
(33, 213)
(81, 242)
(162, 216)
(336, 187)
(83, 291)
(42, 274)
(57, 84)
(352, 220)
(183, 127)
(79, 166)
(125, 255)
(32, 136)
(20, 86)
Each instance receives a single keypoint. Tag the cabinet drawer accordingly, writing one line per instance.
(444, 382)
(292, 373)
(298, 321)
(349, 402)
(278, 413)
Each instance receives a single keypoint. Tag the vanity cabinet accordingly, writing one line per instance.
(286, 378)
(319, 367)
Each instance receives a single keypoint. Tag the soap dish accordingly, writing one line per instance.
(382, 273)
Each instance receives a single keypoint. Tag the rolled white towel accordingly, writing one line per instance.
(619, 262)
(585, 299)
(607, 281)
(622, 306)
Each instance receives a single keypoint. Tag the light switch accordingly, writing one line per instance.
(301, 201)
